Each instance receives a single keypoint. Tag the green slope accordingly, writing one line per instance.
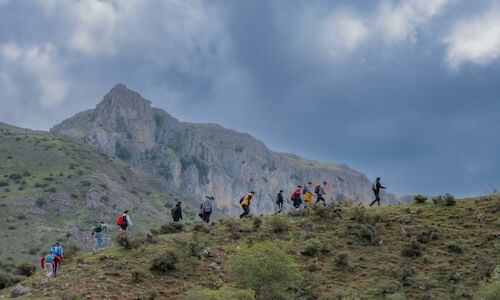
(396, 252)
(52, 188)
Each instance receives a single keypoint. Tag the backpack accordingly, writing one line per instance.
(207, 206)
(317, 188)
(121, 220)
(57, 250)
(172, 212)
(98, 228)
(49, 258)
(304, 190)
(374, 186)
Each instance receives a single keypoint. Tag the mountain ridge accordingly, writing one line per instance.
(197, 159)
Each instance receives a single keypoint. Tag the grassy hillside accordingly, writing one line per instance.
(52, 188)
(413, 251)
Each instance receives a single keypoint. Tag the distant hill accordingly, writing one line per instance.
(411, 251)
(53, 188)
(200, 159)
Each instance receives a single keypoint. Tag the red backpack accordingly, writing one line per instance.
(119, 220)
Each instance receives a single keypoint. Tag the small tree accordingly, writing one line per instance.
(449, 200)
(265, 268)
(419, 199)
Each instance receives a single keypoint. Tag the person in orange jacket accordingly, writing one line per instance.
(245, 204)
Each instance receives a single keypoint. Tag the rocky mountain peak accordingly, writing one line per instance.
(120, 98)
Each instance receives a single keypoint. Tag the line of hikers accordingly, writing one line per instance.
(54, 258)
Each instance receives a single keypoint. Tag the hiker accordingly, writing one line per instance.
(376, 186)
(98, 233)
(206, 209)
(279, 200)
(307, 193)
(123, 221)
(297, 201)
(49, 262)
(57, 250)
(177, 212)
(319, 190)
(245, 203)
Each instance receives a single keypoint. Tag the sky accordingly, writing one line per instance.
(408, 90)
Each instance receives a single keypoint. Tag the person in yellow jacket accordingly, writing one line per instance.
(307, 194)
(245, 203)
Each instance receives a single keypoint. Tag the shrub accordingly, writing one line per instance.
(342, 261)
(129, 243)
(449, 200)
(40, 185)
(25, 269)
(70, 250)
(7, 280)
(26, 174)
(165, 262)
(256, 223)
(278, 225)
(51, 190)
(371, 234)
(265, 268)
(234, 228)
(419, 199)
(138, 276)
(314, 246)
(225, 292)
(428, 234)
(171, 227)
(85, 183)
(412, 249)
(328, 212)
(455, 248)
(3, 183)
(15, 176)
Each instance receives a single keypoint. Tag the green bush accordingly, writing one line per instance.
(85, 183)
(449, 200)
(265, 268)
(224, 293)
(15, 176)
(314, 246)
(455, 248)
(26, 174)
(412, 249)
(129, 243)
(165, 262)
(7, 280)
(278, 225)
(3, 183)
(427, 234)
(171, 227)
(25, 269)
(419, 199)
(342, 261)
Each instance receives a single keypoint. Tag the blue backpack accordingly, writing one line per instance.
(56, 249)
(49, 258)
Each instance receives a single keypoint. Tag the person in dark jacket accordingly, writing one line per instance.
(177, 212)
(279, 201)
(206, 209)
(376, 190)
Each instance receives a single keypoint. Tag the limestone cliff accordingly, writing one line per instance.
(200, 159)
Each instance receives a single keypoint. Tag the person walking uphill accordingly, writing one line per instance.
(49, 262)
(57, 250)
(177, 212)
(297, 201)
(123, 221)
(319, 190)
(376, 186)
(206, 209)
(307, 191)
(279, 200)
(245, 203)
(98, 233)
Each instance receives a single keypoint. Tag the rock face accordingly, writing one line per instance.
(203, 159)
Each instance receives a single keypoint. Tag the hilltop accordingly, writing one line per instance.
(53, 188)
(410, 251)
(203, 159)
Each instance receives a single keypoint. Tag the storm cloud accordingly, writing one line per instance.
(406, 90)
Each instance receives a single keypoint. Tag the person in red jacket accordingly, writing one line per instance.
(297, 200)
(49, 262)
